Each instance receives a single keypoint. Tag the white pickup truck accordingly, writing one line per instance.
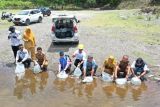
(27, 16)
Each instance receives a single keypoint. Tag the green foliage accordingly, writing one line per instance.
(7, 4)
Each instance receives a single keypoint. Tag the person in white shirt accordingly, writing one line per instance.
(80, 56)
(139, 69)
(15, 38)
(23, 56)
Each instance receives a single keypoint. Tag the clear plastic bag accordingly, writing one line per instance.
(121, 81)
(106, 77)
(37, 68)
(77, 72)
(20, 70)
(136, 81)
(88, 79)
(62, 75)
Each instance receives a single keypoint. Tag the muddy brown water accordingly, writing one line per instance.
(45, 90)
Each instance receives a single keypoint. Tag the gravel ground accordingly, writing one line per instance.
(101, 42)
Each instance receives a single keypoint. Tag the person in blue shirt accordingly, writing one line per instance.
(89, 66)
(64, 62)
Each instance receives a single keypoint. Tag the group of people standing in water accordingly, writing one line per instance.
(25, 54)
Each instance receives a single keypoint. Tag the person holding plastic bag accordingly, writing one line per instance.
(123, 68)
(80, 56)
(15, 38)
(64, 62)
(139, 69)
(41, 59)
(23, 57)
(109, 66)
(89, 67)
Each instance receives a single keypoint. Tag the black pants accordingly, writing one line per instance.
(76, 62)
(26, 63)
(15, 49)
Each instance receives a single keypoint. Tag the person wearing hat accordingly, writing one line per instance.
(89, 66)
(64, 62)
(139, 69)
(109, 65)
(80, 56)
(15, 38)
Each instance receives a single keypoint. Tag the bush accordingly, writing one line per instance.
(15, 4)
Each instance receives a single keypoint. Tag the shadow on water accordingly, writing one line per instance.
(31, 82)
(10, 65)
(56, 47)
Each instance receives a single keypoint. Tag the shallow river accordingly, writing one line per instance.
(44, 90)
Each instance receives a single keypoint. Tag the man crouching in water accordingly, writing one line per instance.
(89, 67)
(123, 68)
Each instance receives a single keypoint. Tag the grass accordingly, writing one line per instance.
(125, 19)
(4, 23)
(144, 55)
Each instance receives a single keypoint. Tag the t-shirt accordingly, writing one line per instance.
(145, 68)
(15, 38)
(89, 65)
(80, 56)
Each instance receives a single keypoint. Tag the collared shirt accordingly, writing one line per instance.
(15, 38)
(145, 68)
(80, 56)
(22, 54)
(89, 65)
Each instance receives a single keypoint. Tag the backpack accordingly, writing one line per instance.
(67, 57)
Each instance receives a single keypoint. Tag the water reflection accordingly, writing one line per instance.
(30, 81)
(109, 89)
(138, 90)
(62, 85)
(79, 89)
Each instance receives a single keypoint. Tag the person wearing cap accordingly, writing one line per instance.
(15, 38)
(89, 66)
(123, 68)
(109, 65)
(80, 56)
(29, 42)
(139, 69)
(64, 62)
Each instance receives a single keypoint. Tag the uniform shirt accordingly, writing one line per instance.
(145, 68)
(63, 61)
(89, 65)
(22, 54)
(15, 38)
(40, 58)
(80, 56)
